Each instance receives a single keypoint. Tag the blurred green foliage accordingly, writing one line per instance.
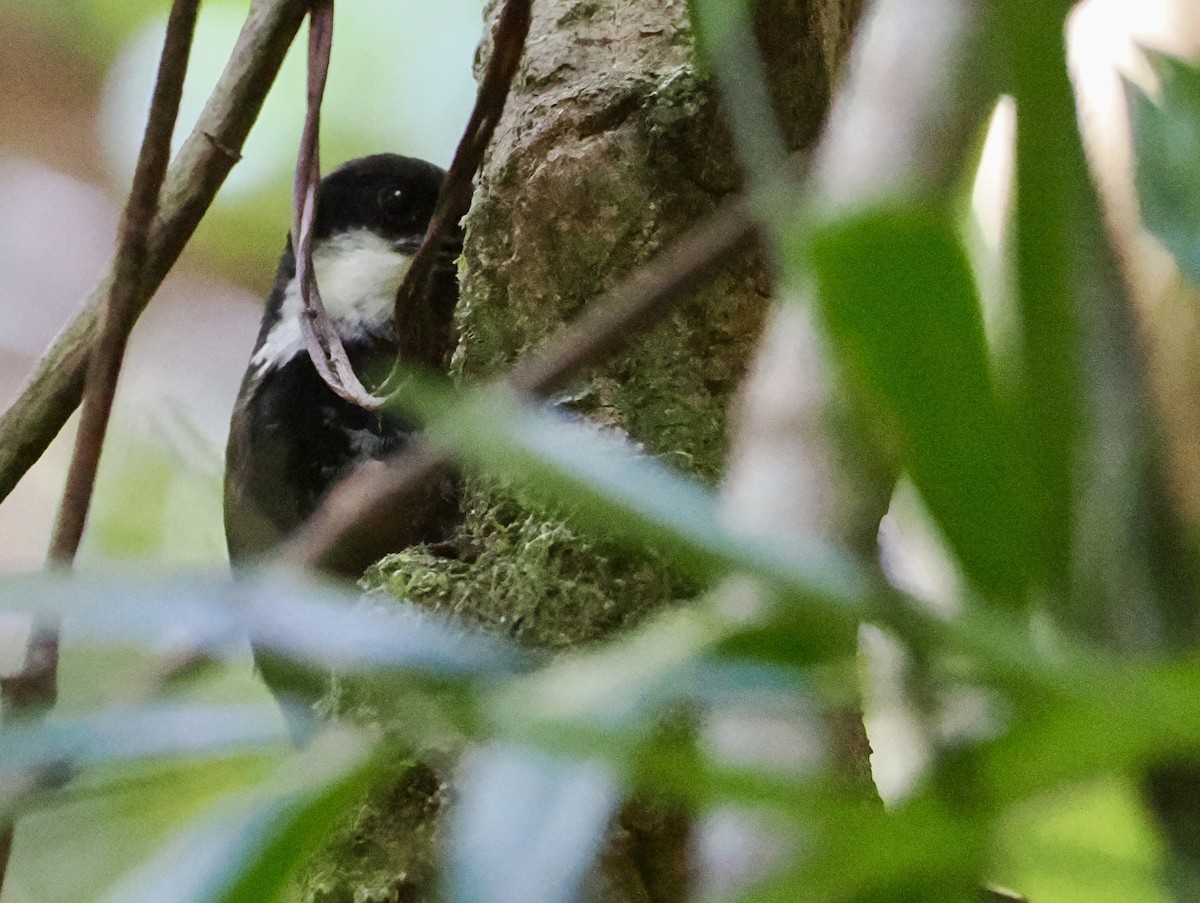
(1091, 841)
(1166, 138)
(174, 516)
(115, 818)
(1043, 795)
(914, 345)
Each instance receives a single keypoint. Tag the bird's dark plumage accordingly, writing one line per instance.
(291, 437)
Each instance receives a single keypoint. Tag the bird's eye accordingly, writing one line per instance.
(391, 202)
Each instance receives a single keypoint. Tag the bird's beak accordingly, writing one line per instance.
(408, 244)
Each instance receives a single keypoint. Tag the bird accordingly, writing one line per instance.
(291, 437)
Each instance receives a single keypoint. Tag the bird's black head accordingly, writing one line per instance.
(371, 218)
(390, 195)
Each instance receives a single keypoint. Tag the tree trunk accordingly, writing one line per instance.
(611, 145)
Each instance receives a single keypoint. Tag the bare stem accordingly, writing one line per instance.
(125, 290)
(321, 339)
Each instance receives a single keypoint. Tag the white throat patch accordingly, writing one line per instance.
(358, 274)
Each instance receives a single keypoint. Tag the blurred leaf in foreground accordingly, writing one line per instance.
(250, 845)
(527, 826)
(607, 484)
(125, 735)
(1166, 141)
(1091, 843)
(320, 625)
(90, 832)
(902, 310)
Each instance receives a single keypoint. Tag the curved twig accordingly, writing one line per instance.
(321, 339)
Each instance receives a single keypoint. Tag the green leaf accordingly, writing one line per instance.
(901, 308)
(86, 836)
(605, 484)
(1125, 721)
(675, 661)
(1052, 197)
(318, 625)
(1089, 843)
(313, 624)
(923, 849)
(527, 827)
(59, 747)
(1166, 142)
(247, 849)
(602, 481)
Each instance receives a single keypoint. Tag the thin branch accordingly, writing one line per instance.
(321, 339)
(199, 169)
(358, 522)
(418, 341)
(34, 690)
(125, 290)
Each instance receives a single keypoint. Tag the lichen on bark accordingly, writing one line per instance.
(611, 145)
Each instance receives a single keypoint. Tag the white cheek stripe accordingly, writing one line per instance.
(358, 274)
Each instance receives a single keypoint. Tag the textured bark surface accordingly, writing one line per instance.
(611, 145)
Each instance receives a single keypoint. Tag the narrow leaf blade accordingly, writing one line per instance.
(902, 311)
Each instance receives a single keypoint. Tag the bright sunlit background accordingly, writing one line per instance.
(75, 81)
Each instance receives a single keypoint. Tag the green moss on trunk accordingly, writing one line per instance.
(531, 575)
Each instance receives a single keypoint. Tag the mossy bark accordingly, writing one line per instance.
(611, 145)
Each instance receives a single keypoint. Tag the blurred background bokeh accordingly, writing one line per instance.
(75, 80)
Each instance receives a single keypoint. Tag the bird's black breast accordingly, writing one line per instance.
(292, 438)
(323, 433)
